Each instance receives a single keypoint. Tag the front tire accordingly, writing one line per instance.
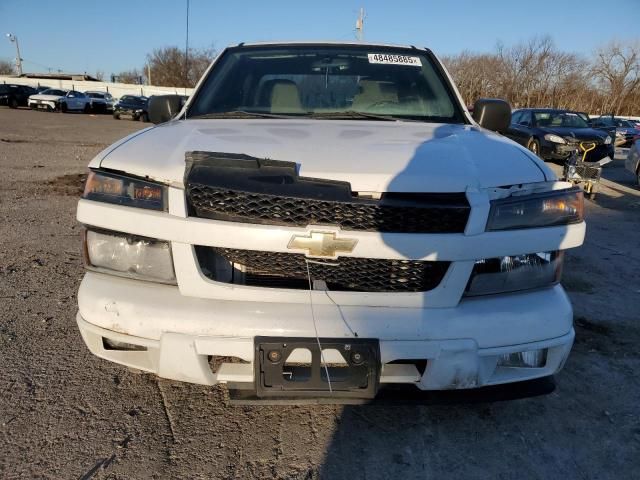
(13, 103)
(534, 146)
(63, 107)
(87, 108)
(116, 116)
(144, 117)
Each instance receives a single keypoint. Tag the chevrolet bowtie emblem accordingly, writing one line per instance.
(322, 244)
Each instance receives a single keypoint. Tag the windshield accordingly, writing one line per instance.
(559, 119)
(53, 91)
(361, 82)
(132, 100)
(95, 95)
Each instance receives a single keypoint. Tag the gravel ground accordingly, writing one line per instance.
(66, 414)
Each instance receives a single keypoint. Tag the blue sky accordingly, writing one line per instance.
(116, 35)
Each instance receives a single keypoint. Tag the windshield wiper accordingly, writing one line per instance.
(239, 114)
(352, 115)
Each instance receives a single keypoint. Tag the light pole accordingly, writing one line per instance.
(12, 38)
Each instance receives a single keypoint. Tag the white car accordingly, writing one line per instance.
(339, 224)
(100, 101)
(632, 163)
(55, 99)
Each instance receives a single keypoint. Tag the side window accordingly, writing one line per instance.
(526, 119)
(515, 118)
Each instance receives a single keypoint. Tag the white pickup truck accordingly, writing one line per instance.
(325, 220)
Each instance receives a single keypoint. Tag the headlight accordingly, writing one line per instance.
(554, 138)
(516, 272)
(129, 256)
(607, 141)
(558, 207)
(121, 190)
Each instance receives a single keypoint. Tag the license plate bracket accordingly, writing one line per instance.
(358, 376)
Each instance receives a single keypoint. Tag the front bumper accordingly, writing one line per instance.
(460, 345)
(556, 151)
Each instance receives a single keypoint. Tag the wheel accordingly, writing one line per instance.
(116, 116)
(135, 118)
(534, 146)
(87, 108)
(13, 103)
(592, 196)
(638, 177)
(144, 117)
(63, 107)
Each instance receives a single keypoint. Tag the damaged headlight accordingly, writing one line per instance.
(121, 190)
(129, 256)
(559, 207)
(515, 272)
(554, 138)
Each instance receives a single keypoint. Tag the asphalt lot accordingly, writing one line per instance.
(65, 414)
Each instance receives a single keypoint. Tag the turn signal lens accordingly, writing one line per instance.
(122, 190)
(560, 207)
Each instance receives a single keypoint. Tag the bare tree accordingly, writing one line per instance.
(129, 76)
(536, 74)
(6, 68)
(170, 67)
(99, 75)
(616, 70)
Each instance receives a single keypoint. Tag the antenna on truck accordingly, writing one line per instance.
(360, 25)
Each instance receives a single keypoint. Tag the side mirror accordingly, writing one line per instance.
(162, 108)
(492, 114)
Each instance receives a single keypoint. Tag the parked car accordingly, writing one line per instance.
(554, 134)
(632, 163)
(339, 224)
(625, 130)
(60, 100)
(132, 106)
(100, 101)
(14, 96)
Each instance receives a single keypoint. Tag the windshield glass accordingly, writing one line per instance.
(559, 119)
(132, 100)
(53, 91)
(95, 95)
(332, 81)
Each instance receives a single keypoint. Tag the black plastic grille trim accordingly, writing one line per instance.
(440, 213)
(289, 270)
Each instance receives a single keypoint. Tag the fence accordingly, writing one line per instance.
(115, 89)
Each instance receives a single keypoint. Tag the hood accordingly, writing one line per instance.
(51, 98)
(577, 133)
(372, 156)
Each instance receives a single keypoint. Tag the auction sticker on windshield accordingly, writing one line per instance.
(388, 59)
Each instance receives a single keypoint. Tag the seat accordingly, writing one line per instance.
(284, 96)
(371, 93)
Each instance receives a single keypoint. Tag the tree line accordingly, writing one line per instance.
(170, 67)
(537, 74)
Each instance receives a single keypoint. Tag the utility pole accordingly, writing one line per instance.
(148, 74)
(186, 54)
(360, 25)
(13, 39)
